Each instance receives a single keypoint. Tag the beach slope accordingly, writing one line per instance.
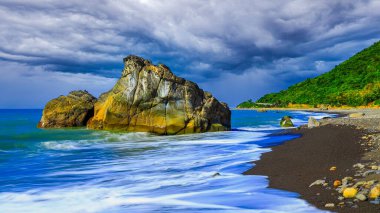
(341, 143)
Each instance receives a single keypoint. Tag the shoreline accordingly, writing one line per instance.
(331, 110)
(295, 164)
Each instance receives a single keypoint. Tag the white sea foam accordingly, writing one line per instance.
(100, 199)
(260, 128)
(298, 122)
(222, 141)
(132, 136)
(63, 145)
(141, 172)
(88, 171)
(90, 200)
(316, 115)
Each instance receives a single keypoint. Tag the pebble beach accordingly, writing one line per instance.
(335, 165)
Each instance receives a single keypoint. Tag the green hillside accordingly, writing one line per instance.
(355, 82)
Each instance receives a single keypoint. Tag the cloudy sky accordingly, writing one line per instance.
(236, 49)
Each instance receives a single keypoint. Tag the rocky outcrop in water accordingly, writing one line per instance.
(286, 121)
(150, 98)
(73, 110)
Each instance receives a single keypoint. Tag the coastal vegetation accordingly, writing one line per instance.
(248, 104)
(355, 82)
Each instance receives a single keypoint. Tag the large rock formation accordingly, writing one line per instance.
(73, 110)
(151, 98)
(147, 98)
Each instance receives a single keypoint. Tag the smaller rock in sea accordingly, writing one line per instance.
(349, 192)
(286, 122)
(73, 110)
(361, 197)
(374, 167)
(333, 168)
(216, 174)
(312, 122)
(317, 183)
(330, 205)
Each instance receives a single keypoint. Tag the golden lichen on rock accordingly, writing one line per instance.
(150, 98)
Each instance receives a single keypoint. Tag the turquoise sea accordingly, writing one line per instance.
(79, 170)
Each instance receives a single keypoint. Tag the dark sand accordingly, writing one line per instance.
(294, 165)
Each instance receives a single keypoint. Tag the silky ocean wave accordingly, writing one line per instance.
(99, 171)
(298, 122)
(63, 145)
(316, 115)
(136, 136)
(260, 128)
(223, 141)
(100, 199)
(202, 138)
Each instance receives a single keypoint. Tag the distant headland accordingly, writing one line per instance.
(353, 83)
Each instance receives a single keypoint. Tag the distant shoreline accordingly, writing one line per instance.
(294, 165)
(334, 109)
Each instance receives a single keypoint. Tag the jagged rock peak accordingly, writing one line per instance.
(151, 98)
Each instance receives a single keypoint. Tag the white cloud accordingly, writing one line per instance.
(106, 29)
(206, 40)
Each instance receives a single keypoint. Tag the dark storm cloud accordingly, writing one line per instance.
(206, 41)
